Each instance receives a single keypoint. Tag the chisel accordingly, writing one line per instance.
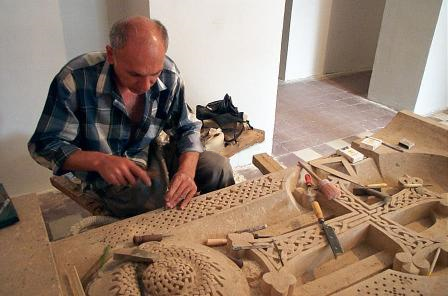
(328, 230)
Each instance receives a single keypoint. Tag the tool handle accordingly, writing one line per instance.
(317, 210)
(308, 181)
(377, 193)
(140, 239)
(309, 170)
(214, 242)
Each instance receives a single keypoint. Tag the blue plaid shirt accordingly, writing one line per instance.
(84, 110)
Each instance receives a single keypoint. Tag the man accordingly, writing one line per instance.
(103, 113)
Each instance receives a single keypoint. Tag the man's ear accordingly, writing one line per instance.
(109, 54)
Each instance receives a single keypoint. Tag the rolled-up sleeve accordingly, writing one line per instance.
(56, 132)
(188, 128)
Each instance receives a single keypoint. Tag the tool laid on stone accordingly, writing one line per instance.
(253, 229)
(363, 190)
(351, 154)
(245, 241)
(279, 252)
(370, 143)
(156, 237)
(328, 230)
(96, 266)
(395, 147)
(434, 261)
(135, 255)
(377, 185)
(405, 143)
(216, 242)
(325, 186)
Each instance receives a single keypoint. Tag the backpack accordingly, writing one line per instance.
(223, 114)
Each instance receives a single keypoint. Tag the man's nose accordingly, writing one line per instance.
(148, 82)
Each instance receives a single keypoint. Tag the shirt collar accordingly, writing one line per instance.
(104, 84)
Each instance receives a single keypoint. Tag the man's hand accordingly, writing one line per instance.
(118, 170)
(115, 170)
(182, 187)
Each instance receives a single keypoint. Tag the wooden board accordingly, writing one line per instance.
(85, 200)
(245, 140)
(27, 263)
(266, 164)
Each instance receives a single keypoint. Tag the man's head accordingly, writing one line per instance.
(137, 51)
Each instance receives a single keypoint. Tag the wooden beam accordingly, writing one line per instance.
(245, 140)
(84, 199)
(266, 164)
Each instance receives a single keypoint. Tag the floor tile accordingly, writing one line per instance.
(287, 160)
(337, 144)
(307, 154)
(324, 149)
(364, 134)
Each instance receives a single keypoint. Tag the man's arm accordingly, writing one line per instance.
(53, 144)
(186, 133)
(113, 169)
(182, 185)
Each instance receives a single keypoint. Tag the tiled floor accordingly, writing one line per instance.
(314, 118)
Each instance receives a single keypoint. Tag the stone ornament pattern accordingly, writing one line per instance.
(125, 280)
(179, 270)
(182, 271)
(394, 283)
(200, 207)
(297, 242)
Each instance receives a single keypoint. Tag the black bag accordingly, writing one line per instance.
(226, 116)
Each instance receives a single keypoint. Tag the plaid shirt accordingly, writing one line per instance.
(84, 110)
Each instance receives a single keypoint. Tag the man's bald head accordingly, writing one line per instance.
(137, 52)
(140, 29)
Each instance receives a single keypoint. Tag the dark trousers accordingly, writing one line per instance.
(213, 172)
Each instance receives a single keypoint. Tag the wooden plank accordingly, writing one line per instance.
(245, 140)
(84, 199)
(26, 257)
(266, 164)
(336, 173)
(346, 276)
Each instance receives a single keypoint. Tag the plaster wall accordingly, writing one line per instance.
(85, 26)
(32, 50)
(118, 9)
(406, 36)
(433, 93)
(228, 47)
(327, 36)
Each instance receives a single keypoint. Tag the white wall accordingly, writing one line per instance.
(32, 50)
(85, 26)
(118, 9)
(403, 47)
(329, 36)
(433, 93)
(230, 47)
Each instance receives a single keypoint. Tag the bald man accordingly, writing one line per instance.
(103, 113)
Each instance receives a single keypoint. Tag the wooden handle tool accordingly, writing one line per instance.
(140, 239)
(215, 242)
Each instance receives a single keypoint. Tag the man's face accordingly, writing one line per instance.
(136, 67)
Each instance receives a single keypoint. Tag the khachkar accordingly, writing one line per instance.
(186, 267)
(389, 248)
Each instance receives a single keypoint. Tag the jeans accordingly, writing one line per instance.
(213, 172)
